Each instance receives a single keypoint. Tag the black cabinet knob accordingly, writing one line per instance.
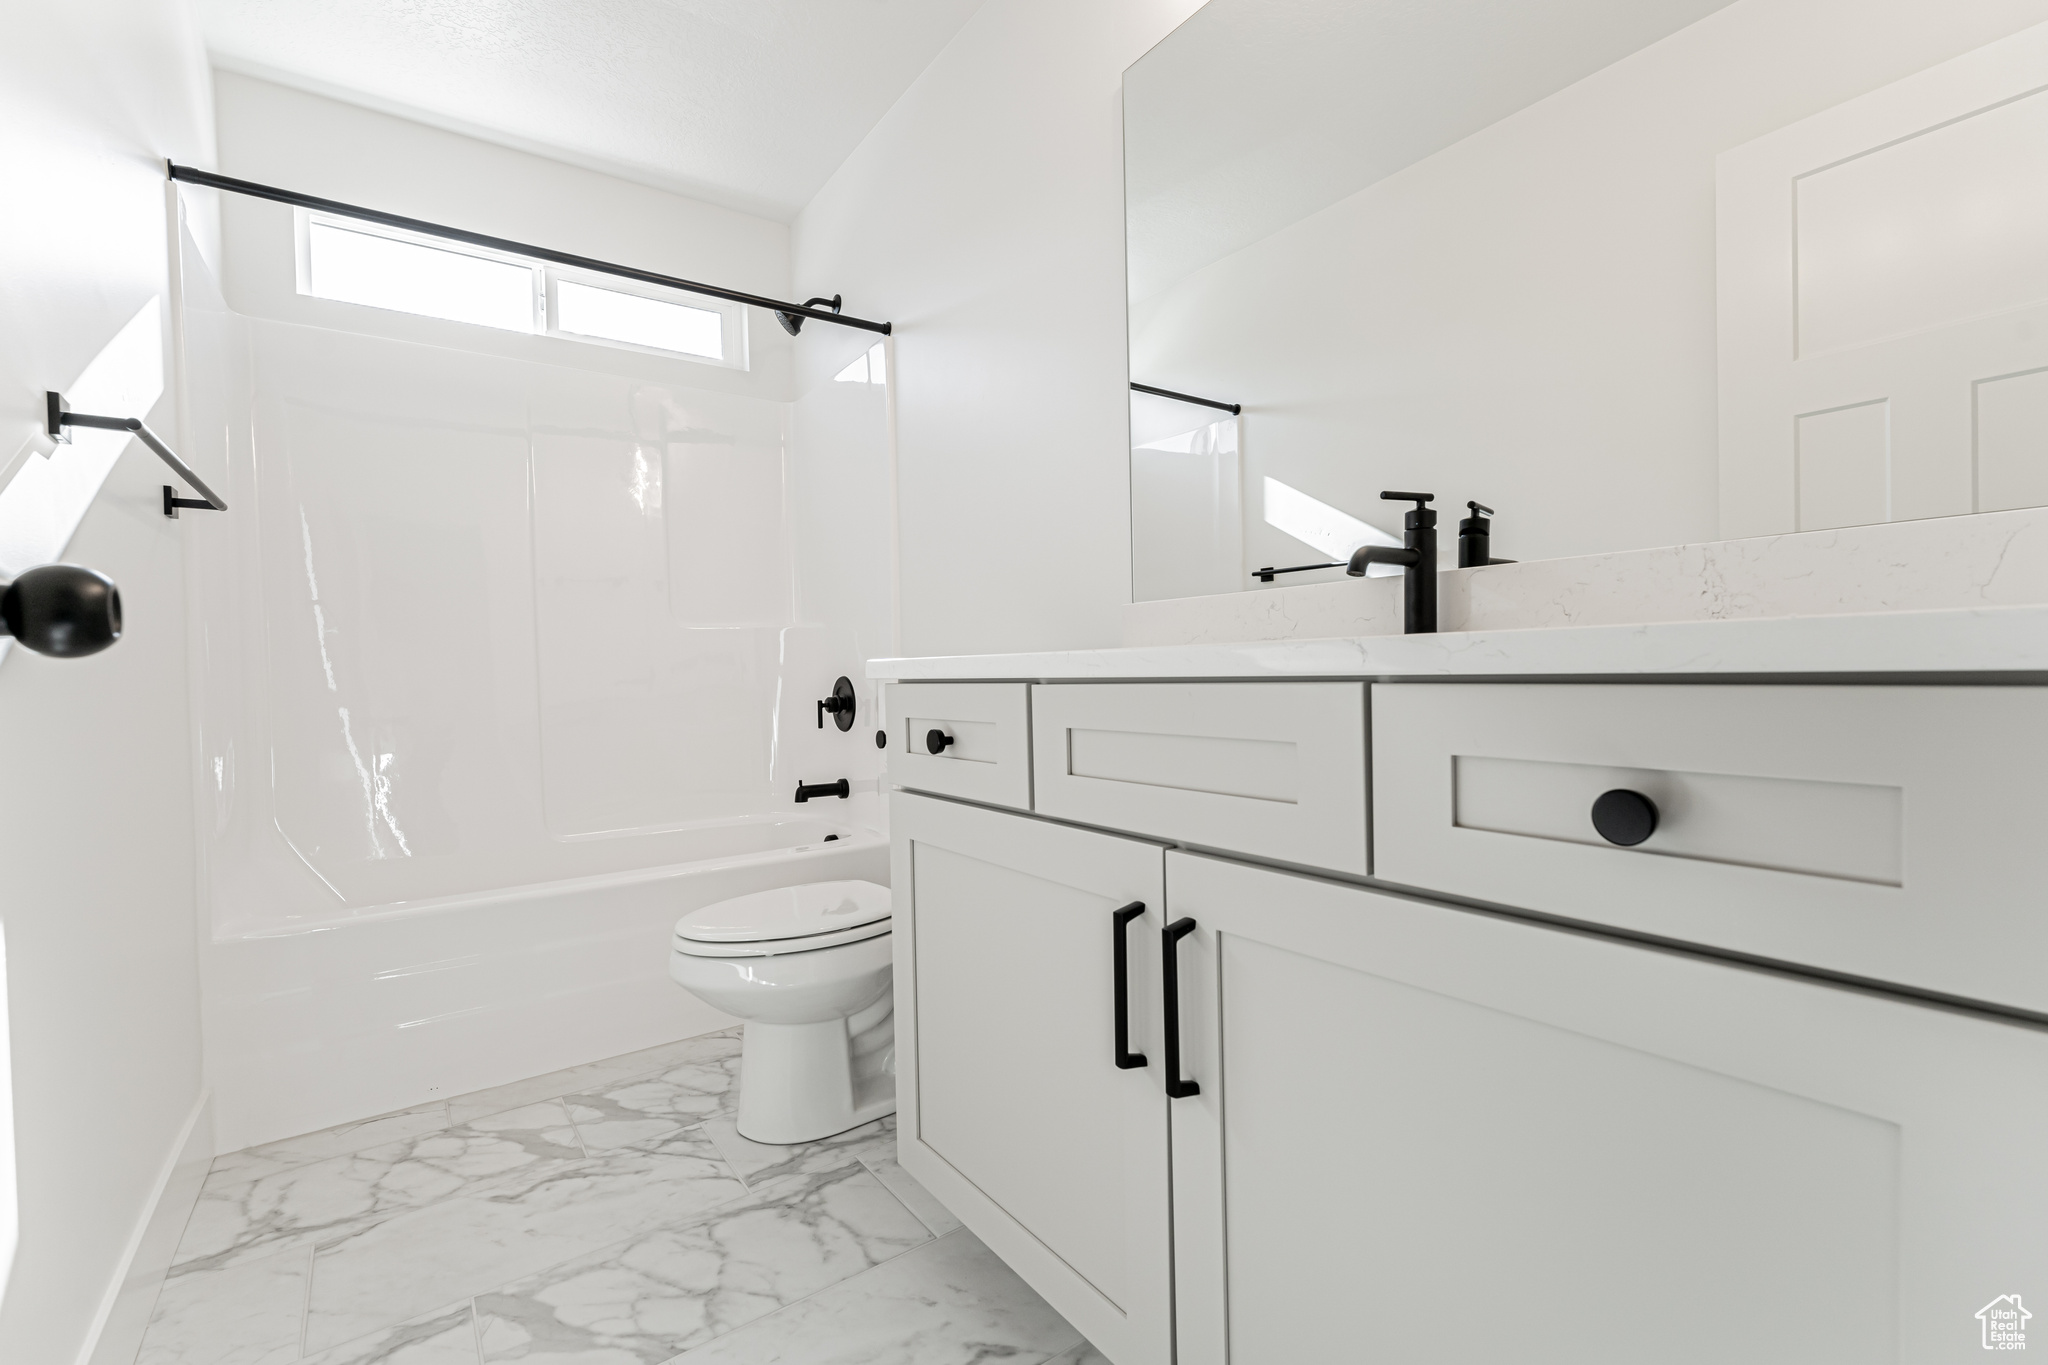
(881, 739)
(1624, 817)
(935, 741)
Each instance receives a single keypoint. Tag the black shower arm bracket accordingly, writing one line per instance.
(61, 418)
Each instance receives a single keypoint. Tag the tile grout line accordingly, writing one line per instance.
(476, 1329)
(915, 1215)
(582, 1144)
(306, 1304)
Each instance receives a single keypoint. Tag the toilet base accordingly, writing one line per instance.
(802, 1082)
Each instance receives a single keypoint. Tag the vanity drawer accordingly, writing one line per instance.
(987, 753)
(1276, 770)
(1892, 833)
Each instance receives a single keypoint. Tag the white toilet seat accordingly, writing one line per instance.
(779, 947)
(786, 919)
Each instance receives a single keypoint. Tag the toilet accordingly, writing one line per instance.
(808, 968)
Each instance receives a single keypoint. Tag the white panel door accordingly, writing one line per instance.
(1438, 1135)
(1013, 1108)
(1883, 275)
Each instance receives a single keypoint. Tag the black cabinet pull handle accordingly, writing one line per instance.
(1624, 817)
(1120, 921)
(935, 741)
(1169, 986)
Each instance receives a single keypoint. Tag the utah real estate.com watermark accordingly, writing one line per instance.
(2005, 1323)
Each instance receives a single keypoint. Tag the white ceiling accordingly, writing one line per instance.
(748, 103)
(1256, 113)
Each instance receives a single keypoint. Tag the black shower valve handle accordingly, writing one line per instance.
(840, 705)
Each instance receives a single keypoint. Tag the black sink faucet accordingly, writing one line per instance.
(1417, 555)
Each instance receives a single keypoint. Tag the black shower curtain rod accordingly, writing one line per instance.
(1232, 408)
(193, 176)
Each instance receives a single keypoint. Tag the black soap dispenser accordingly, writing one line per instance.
(1475, 538)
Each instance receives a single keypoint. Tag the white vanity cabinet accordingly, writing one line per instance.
(1769, 1086)
(1011, 1105)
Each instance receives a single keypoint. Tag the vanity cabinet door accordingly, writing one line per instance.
(1012, 1107)
(1426, 1134)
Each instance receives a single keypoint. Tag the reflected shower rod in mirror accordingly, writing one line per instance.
(193, 176)
(1232, 408)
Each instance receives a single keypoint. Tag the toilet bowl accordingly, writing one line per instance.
(808, 968)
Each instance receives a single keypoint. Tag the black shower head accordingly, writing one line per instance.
(793, 323)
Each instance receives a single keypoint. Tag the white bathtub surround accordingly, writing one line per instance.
(1994, 559)
(503, 672)
(408, 1009)
(465, 1233)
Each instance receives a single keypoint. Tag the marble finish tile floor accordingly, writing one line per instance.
(608, 1214)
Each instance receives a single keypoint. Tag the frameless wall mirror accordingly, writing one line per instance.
(1632, 272)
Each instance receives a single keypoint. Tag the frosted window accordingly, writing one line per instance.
(407, 277)
(611, 315)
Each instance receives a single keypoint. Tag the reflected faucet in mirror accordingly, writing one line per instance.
(1416, 557)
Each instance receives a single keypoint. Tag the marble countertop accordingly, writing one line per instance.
(2010, 640)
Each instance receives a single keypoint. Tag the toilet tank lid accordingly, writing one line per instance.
(787, 912)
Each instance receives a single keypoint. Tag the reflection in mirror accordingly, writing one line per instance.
(1634, 272)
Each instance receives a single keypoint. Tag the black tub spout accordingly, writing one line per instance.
(841, 789)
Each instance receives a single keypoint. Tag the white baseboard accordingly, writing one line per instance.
(117, 1329)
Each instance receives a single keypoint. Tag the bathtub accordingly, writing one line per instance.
(412, 1003)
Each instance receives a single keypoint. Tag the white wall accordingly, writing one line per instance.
(984, 217)
(95, 804)
(1528, 317)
